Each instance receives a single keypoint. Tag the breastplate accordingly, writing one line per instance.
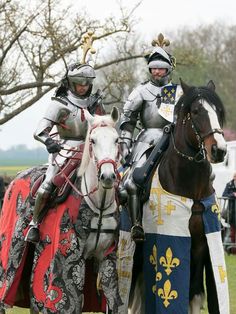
(158, 106)
(74, 126)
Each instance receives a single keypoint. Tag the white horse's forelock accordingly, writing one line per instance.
(97, 121)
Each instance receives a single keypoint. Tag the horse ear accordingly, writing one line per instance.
(115, 115)
(184, 86)
(211, 85)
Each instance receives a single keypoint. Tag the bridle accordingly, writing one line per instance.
(98, 163)
(105, 160)
(201, 155)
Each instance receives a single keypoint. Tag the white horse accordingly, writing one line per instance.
(91, 233)
(100, 178)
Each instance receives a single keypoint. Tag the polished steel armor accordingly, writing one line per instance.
(154, 107)
(66, 115)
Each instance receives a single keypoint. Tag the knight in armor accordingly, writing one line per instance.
(152, 103)
(66, 114)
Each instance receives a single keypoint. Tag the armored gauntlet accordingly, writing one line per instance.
(52, 146)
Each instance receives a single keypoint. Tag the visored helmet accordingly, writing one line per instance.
(81, 74)
(159, 58)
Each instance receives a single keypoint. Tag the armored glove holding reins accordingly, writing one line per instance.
(52, 146)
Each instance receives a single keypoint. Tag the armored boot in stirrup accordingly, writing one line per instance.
(42, 197)
(33, 233)
(137, 232)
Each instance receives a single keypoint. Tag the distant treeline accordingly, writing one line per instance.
(20, 155)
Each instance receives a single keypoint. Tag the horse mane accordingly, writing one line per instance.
(98, 121)
(202, 92)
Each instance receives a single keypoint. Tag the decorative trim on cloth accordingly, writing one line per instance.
(125, 253)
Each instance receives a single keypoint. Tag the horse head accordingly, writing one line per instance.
(201, 110)
(102, 147)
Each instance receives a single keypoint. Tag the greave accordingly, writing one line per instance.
(41, 200)
(134, 205)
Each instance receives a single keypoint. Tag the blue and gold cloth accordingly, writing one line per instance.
(167, 251)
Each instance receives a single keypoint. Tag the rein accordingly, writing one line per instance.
(72, 185)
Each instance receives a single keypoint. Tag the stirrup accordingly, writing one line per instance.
(137, 233)
(33, 234)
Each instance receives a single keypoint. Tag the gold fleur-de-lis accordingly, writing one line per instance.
(216, 209)
(167, 294)
(160, 41)
(153, 261)
(86, 45)
(168, 262)
(153, 257)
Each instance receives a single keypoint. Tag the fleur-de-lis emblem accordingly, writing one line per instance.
(153, 261)
(216, 209)
(153, 257)
(168, 262)
(166, 293)
(86, 45)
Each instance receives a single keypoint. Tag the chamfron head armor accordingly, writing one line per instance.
(159, 58)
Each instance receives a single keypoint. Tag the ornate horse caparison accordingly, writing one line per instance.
(83, 227)
(181, 217)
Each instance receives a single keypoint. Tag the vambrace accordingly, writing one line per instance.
(42, 132)
(125, 144)
(129, 120)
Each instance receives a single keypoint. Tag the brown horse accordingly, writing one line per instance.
(181, 217)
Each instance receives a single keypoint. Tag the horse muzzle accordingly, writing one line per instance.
(217, 154)
(107, 180)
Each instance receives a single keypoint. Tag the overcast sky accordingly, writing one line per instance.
(155, 16)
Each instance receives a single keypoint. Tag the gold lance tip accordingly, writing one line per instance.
(160, 41)
(86, 45)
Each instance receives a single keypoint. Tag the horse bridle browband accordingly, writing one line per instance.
(201, 154)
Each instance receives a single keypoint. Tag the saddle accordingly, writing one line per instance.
(61, 180)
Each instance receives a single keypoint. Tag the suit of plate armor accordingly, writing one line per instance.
(66, 114)
(153, 104)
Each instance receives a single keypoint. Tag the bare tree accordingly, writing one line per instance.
(37, 43)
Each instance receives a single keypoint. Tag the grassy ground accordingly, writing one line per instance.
(11, 171)
(231, 270)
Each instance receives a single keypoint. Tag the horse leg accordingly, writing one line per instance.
(136, 303)
(137, 291)
(109, 282)
(199, 251)
(212, 299)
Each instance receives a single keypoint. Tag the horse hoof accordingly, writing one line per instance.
(137, 233)
(33, 235)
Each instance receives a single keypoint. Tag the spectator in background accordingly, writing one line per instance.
(230, 192)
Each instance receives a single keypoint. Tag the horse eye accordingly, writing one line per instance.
(195, 111)
(117, 140)
(92, 141)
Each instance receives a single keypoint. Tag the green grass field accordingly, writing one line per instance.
(231, 270)
(11, 171)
